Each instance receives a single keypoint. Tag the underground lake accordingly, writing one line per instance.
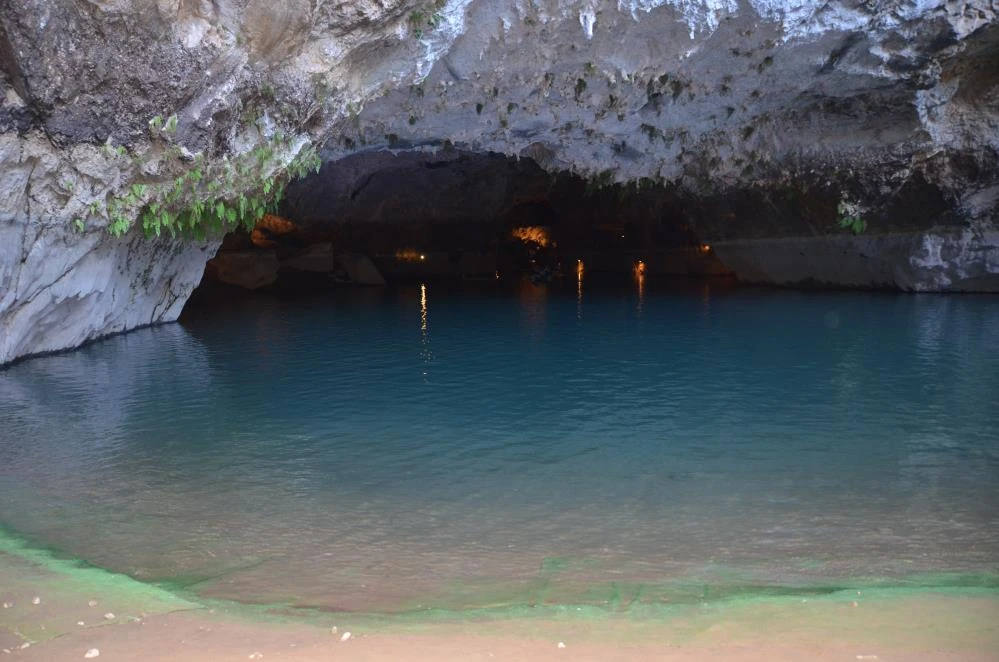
(494, 448)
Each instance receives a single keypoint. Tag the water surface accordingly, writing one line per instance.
(392, 449)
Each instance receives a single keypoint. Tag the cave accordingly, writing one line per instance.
(438, 329)
(434, 212)
(394, 217)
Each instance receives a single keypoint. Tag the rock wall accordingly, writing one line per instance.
(913, 261)
(887, 110)
(773, 119)
(61, 286)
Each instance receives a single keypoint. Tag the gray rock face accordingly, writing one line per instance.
(920, 262)
(61, 286)
(771, 119)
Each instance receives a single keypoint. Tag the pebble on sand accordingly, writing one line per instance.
(109, 616)
(92, 603)
(92, 653)
(26, 644)
(333, 630)
(36, 600)
(561, 644)
(345, 636)
(8, 605)
(80, 623)
(256, 656)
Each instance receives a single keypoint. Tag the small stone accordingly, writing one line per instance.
(333, 631)
(856, 604)
(92, 653)
(109, 616)
(80, 623)
(345, 636)
(26, 644)
(867, 657)
(8, 605)
(256, 656)
(92, 603)
(36, 600)
(561, 644)
(6, 651)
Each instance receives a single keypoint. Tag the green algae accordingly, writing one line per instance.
(690, 606)
(65, 587)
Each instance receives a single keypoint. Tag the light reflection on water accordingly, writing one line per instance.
(318, 452)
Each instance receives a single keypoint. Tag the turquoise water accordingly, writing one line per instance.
(392, 449)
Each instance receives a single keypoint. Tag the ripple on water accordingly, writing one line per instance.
(361, 451)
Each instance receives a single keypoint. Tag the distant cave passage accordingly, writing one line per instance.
(384, 217)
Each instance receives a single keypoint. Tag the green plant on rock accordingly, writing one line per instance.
(113, 151)
(168, 126)
(210, 196)
(426, 19)
(171, 124)
(848, 218)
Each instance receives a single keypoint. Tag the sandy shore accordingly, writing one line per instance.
(202, 636)
(80, 609)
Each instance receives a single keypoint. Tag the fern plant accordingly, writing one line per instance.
(209, 196)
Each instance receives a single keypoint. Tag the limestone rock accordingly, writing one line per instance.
(954, 261)
(60, 287)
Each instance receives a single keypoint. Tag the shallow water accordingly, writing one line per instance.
(391, 449)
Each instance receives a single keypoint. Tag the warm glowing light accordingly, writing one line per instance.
(497, 275)
(535, 233)
(705, 248)
(425, 354)
(640, 267)
(261, 240)
(275, 224)
(423, 309)
(269, 226)
(409, 255)
(579, 269)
